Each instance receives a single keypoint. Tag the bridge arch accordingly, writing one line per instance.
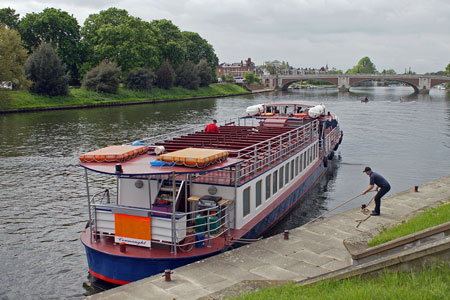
(286, 83)
(413, 85)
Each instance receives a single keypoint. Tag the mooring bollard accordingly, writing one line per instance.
(286, 234)
(123, 247)
(416, 188)
(167, 274)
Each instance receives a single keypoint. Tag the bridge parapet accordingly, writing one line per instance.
(420, 83)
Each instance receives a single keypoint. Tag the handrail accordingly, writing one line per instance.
(222, 212)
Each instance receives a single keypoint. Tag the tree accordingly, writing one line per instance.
(13, 57)
(389, 72)
(273, 67)
(170, 41)
(104, 78)
(204, 73)
(187, 76)
(364, 66)
(59, 29)
(9, 17)
(116, 36)
(165, 75)
(447, 70)
(251, 78)
(140, 79)
(198, 48)
(45, 69)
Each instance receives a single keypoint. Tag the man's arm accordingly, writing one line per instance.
(368, 190)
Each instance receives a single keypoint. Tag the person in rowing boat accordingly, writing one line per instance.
(383, 186)
(212, 128)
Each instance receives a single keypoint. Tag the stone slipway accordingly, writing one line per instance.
(312, 250)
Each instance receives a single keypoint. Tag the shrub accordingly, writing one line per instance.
(103, 78)
(187, 76)
(47, 73)
(165, 76)
(140, 79)
(204, 73)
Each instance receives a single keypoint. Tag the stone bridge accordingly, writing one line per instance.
(420, 83)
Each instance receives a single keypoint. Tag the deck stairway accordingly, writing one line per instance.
(165, 194)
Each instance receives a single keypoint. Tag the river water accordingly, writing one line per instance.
(43, 207)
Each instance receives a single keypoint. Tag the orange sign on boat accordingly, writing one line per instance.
(133, 230)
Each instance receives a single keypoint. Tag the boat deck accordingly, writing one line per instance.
(230, 138)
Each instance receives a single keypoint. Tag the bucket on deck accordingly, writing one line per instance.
(200, 240)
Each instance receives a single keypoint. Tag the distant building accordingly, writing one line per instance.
(236, 70)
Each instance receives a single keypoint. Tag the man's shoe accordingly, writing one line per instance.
(374, 213)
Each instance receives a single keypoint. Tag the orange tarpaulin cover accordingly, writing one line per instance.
(195, 157)
(133, 227)
(114, 153)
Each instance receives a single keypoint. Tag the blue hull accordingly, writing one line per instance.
(122, 269)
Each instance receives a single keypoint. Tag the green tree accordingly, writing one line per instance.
(170, 41)
(198, 48)
(447, 70)
(165, 75)
(59, 29)
(104, 78)
(252, 78)
(204, 73)
(364, 66)
(116, 36)
(389, 72)
(9, 17)
(187, 76)
(335, 72)
(47, 73)
(140, 79)
(13, 57)
(273, 67)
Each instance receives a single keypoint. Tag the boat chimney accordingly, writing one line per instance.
(119, 169)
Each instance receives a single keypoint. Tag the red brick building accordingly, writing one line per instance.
(236, 69)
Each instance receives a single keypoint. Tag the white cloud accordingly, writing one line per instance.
(309, 33)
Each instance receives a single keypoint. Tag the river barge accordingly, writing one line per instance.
(175, 199)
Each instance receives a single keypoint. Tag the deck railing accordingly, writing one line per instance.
(264, 154)
(185, 229)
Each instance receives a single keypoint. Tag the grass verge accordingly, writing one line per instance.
(82, 97)
(427, 219)
(430, 283)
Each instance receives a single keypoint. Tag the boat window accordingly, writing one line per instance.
(268, 177)
(292, 169)
(246, 202)
(275, 182)
(304, 160)
(296, 166)
(281, 177)
(258, 193)
(286, 174)
(301, 163)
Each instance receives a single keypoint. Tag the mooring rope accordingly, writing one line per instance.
(342, 204)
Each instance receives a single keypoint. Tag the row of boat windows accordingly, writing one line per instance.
(278, 178)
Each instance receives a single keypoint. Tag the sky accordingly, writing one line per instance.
(395, 34)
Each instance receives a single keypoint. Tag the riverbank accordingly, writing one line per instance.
(22, 101)
(311, 250)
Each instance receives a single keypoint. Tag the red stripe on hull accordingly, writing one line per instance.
(104, 278)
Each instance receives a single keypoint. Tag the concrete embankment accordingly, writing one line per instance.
(313, 250)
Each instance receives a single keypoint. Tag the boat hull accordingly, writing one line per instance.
(121, 270)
